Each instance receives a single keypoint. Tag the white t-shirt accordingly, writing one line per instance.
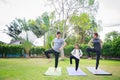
(77, 53)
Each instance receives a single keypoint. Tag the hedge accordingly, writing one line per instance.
(116, 47)
(9, 50)
(68, 49)
(37, 51)
(18, 50)
(109, 50)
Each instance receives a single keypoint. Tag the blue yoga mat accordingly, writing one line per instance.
(71, 71)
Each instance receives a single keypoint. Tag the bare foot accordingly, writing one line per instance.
(96, 71)
(55, 70)
(76, 71)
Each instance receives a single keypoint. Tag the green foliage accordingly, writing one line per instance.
(46, 20)
(14, 29)
(83, 47)
(37, 50)
(49, 40)
(27, 46)
(82, 25)
(18, 49)
(36, 27)
(111, 36)
(87, 39)
(14, 49)
(82, 21)
(91, 2)
(111, 48)
(2, 46)
(68, 49)
(72, 40)
(116, 47)
(107, 50)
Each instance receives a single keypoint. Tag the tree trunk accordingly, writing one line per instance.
(28, 54)
(3, 55)
(27, 36)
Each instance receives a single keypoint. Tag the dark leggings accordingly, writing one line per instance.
(56, 55)
(76, 62)
(98, 52)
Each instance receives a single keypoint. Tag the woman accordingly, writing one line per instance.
(97, 45)
(59, 44)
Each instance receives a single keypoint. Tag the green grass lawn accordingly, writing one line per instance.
(34, 69)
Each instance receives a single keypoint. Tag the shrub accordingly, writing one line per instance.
(83, 48)
(116, 47)
(111, 49)
(17, 50)
(68, 49)
(37, 50)
(11, 49)
(107, 50)
(27, 46)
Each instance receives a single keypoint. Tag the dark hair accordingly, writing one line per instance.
(58, 32)
(96, 34)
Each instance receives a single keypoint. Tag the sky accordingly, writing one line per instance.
(108, 13)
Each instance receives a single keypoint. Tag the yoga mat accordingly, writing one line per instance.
(51, 71)
(98, 72)
(71, 71)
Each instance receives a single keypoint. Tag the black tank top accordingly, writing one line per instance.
(96, 44)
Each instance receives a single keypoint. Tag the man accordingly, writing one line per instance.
(59, 44)
(97, 43)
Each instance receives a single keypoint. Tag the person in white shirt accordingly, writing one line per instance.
(76, 54)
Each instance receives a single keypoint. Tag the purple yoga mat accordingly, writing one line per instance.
(71, 71)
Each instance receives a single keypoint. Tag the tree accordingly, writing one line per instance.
(111, 36)
(24, 25)
(36, 28)
(27, 46)
(65, 8)
(82, 24)
(46, 26)
(14, 29)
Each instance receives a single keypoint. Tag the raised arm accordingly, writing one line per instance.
(101, 43)
(81, 53)
(90, 42)
(64, 44)
(52, 44)
(72, 52)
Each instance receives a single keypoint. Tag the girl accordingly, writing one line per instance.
(76, 54)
